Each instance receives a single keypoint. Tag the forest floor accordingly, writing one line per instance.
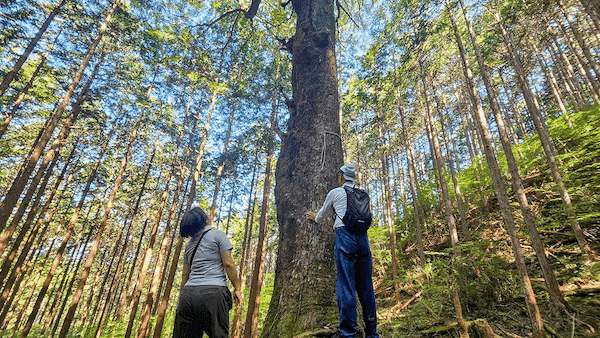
(415, 313)
(492, 290)
(484, 273)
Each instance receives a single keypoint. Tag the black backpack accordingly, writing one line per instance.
(358, 215)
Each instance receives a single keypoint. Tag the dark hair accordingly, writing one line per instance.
(193, 221)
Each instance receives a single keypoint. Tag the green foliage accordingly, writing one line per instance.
(579, 161)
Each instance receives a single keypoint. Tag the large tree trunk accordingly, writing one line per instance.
(310, 158)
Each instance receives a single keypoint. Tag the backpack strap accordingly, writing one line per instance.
(196, 247)
(341, 219)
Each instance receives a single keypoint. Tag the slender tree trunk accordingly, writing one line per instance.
(93, 290)
(17, 66)
(16, 269)
(387, 202)
(479, 114)
(251, 327)
(586, 72)
(517, 185)
(583, 46)
(195, 174)
(237, 318)
(143, 326)
(546, 140)
(459, 199)
(221, 167)
(103, 222)
(129, 277)
(553, 86)
(566, 79)
(25, 90)
(122, 255)
(147, 255)
(518, 118)
(17, 186)
(48, 158)
(77, 264)
(592, 8)
(445, 198)
(69, 231)
(412, 174)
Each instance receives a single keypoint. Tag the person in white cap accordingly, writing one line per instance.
(353, 261)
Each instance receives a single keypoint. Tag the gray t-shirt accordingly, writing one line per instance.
(207, 267)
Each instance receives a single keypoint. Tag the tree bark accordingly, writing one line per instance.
(308, 164)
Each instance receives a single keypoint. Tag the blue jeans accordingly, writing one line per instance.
(355, 276)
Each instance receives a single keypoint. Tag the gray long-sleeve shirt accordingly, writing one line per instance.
(336, 198)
